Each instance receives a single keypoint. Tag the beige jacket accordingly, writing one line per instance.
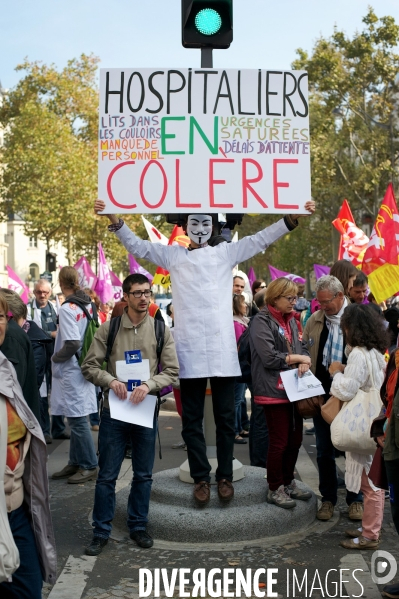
(130, 337)
(35, 479)
(311, 336)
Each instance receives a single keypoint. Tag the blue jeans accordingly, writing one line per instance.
(112, 439)
(95, 417)
(27, 579)
(81, 448)
(328, 484)
(239, 398)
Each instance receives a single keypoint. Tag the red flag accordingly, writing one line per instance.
(381, 261)
(178, 237)
(353, 240)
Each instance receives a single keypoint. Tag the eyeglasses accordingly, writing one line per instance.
(261, 287)
(138, 294)
(291, 298)
(327, 302)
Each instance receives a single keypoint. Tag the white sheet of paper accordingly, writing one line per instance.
(290, 382)
(141, 413)
(308, 381)
(140, 371)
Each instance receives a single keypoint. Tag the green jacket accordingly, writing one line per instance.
(17, 348)
(130, 337)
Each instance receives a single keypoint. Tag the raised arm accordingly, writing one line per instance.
(254, 244)
(154, 252)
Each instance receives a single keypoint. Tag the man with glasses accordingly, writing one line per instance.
(42, 312)
(326, 344)
(136, 332)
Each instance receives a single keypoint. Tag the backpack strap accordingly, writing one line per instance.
(159, 326)
(114, 326)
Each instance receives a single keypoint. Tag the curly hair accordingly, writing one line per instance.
(364, 327)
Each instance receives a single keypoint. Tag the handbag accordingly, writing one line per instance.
(9, 555)
(331, 409)
(310, 406)
(350, 430)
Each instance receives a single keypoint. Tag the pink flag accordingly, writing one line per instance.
(136, 268)
(275, 273)
(103, 288)
(15, 283)
(117, 286)
(87, 278)
(251, 276)
(320, 270)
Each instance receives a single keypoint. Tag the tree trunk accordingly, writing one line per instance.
(69, 246)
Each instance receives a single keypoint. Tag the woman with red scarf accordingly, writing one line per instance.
(275, 346)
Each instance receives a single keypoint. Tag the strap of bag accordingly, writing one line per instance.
(3, 437)
(114, 325)
(369, 366)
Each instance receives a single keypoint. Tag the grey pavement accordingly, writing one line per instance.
(115, 573)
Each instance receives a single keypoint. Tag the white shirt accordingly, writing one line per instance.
(202, 280)
(71, 394)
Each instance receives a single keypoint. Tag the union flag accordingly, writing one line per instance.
(381, 261)
(353, 240)
(178, 237)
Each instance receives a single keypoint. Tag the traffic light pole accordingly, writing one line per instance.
(206, 58)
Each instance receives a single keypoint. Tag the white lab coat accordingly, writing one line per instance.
(202, 282)
(71, 394)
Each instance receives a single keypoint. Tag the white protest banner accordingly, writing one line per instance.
(203, 140)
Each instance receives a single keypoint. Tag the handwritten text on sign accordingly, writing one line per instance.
(178, 140)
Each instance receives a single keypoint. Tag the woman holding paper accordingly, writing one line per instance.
(366, 340)
(276, 346)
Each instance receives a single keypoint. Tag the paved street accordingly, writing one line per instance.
(115, 573)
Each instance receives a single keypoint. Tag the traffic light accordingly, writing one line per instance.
(207, 23)
(51, 262)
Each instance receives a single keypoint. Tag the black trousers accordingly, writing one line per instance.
(192, 399)
(392, 469)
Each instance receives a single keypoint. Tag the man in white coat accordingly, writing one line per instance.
(204, 332)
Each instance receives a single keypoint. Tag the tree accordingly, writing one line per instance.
(49, 157)
(353, 100)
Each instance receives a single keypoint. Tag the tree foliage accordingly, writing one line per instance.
(49, 157)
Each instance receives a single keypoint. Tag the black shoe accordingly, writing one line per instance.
(391, 590)
(142, 538)
(48, 439)
(310, 431)
(128, 454)
(96, 546)
(62, 436)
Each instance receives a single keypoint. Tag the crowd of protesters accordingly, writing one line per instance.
(341, 335)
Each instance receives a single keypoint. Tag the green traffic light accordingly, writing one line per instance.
(208, 21)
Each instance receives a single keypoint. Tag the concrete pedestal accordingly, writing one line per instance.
(175, 517)
(210, 440)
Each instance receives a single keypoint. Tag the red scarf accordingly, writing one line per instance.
(283, 320)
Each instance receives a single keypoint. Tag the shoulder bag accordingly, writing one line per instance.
(350, 430)
(9, 555)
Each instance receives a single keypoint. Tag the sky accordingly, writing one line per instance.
(147, 33)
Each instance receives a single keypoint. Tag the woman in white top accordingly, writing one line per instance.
(366, 344)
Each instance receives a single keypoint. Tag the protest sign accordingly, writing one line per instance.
(203, 140)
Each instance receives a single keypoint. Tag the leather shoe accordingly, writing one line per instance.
(48, 439)
(391, 590)
(82, 476)
(142, 538)
(96, 546)
(62, 436)
(225, 490)
(202, 492)
(66, 472)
